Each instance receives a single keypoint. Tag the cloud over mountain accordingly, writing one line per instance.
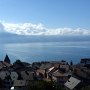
(1, 27)
(39, 29)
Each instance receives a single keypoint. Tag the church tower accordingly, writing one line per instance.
(7, 59)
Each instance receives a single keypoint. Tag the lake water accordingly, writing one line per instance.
(46, 51)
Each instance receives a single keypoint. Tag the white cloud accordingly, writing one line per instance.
(39, 29)
(1, 27)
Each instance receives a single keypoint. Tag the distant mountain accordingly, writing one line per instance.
(14, 38)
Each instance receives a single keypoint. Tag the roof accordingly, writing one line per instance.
(7, 64)
(72, 83)
(57, 73)
(7, 59)
(3, 74)
(40, 71)
(56, 65)
(64, 66)
(46, 66)
(4, 64)
(24, 69)
(52, 70)
(27, 75)
(67, 73)
(60, 62)
(14, 75)
(1, 64)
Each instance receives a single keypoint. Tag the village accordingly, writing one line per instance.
(54, 75)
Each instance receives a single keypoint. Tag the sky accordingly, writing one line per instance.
(45, 17)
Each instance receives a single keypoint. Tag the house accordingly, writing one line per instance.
(27, 75)
(40, 73)
(51, 71)
(4, 73)
(46, 65)
(72, 83)
(7, 64)
(4, 64)
(60, 77)
(36, 65)
(58, 74)
(85, 61)
(65, 67)
(63, 62)
(82, 72)
(6, 79)
(56, 65)
(19, 84)
(14, 75)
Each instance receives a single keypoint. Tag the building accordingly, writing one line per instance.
(7, 59)
(72, 83)
(40, 73)
(82, 72)
(46, 65)
(85, 61)
(61, 77)
(4, 73)
(14, 75)
(27, 75)
(4, 64)
(19, 84)
(65, 67)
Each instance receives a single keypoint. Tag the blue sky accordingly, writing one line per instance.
(53, 14)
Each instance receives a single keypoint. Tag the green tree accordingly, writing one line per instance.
(43, 85)
(86, 88)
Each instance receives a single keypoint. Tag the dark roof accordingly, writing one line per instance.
(7, 59)
(24, 69)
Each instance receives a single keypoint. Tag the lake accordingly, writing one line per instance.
(46, 51)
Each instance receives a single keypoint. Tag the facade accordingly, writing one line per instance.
(85, 61)
(19, 84)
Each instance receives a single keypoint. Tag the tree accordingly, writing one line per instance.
(1, 83)
(43, 85)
